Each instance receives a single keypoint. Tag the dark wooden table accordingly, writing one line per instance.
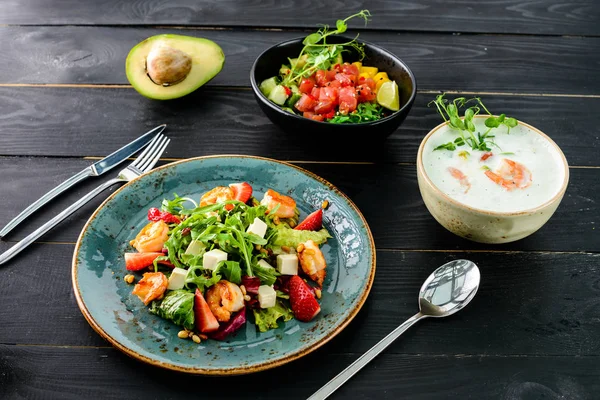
(532, 332)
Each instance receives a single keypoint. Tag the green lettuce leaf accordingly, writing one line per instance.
(266, 318)
(290, 237)
(177, 306)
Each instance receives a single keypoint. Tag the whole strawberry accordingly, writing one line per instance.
(302, 299)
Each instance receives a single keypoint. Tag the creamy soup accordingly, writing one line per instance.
(522, 172)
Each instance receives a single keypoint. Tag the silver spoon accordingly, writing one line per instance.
(447, 290)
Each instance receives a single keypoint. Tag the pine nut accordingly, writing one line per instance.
(325, 204)
(300, 248)
(202, 336)
(182, 335)
(285, 248)
(129, 278)
(276, 220)
(190, 333)
(292, 223)
(196, 339)
(243, 289)
(257, 247)
(247, 298)
(318, 293)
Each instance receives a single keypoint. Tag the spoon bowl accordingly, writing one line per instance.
(449, 288)
(446, 291)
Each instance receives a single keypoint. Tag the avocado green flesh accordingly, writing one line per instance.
(207, 61)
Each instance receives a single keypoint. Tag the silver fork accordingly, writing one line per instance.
(142, 164)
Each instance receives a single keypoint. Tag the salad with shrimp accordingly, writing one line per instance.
(231, 259)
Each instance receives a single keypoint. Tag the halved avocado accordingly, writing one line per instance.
(169, 66)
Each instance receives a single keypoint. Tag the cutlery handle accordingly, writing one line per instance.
(363, 360)
(17, 248)
(45, 199)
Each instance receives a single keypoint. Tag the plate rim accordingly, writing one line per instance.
(240, 370)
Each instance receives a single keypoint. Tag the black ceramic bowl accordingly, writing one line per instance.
(268, 63)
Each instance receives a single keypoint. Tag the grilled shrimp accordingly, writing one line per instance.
(151, 286)
(312, 261)
(224, 298)
(152, 237)
(287, 205)
(511, 175)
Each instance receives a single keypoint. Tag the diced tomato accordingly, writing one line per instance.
(138, 261)
(315, 92)
(350, 69)
(204, 318)
(365, 94)
(345, 80)
(312, 115)
(151, 286)
(241, 191)
(348, 100)
(306, 103)
(307, 85)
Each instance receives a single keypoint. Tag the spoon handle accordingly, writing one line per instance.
(363, 360)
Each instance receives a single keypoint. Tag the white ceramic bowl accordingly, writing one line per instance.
(481, 225)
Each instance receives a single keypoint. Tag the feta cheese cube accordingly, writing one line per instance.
(264, 264)
(177, 278)
(258, 227)
(266, 296)
(195, 247)
(210, 259)
(287, 264)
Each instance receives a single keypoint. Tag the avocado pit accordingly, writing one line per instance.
(167, 66)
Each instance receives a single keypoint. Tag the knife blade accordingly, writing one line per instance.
(96, 169)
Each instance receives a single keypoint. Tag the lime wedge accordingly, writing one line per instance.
(388, 96)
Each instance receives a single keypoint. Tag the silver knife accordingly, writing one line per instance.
(96, 169)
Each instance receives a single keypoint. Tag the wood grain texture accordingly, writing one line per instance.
(387, 195)
(61, 121)
(32, 372)
(95, 55)
(553, 17)
(540, 304)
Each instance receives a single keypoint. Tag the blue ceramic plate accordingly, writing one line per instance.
(120, 317)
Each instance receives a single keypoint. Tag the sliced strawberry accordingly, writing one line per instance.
(241, 191)
(205, 319)
(139, 261)
(313, 222)
(304, 303)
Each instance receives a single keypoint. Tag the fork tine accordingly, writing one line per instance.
(148, 148)
(156, 156)
(150, 157)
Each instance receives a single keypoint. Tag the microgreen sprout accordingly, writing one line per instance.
(318, 54)
(449, 110)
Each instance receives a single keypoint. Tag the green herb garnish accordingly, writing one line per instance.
(365, 112)
(317, 54)
(449, 110)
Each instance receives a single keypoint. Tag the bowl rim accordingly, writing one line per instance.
(528, 211)
(273, 106)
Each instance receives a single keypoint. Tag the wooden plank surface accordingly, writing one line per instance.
(60, 121)
(553, 17)
(73, 373)
(530, 303)
(96, 55)
(387, 195)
